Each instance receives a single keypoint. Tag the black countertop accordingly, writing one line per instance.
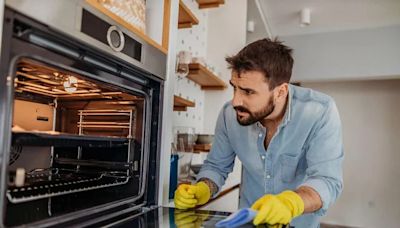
(171, 217)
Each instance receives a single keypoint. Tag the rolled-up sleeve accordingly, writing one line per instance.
(324, 156)
(220, 160)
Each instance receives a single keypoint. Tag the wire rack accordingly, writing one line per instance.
(47, 183)
(87, 119)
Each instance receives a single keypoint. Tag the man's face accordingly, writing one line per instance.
(252, 99)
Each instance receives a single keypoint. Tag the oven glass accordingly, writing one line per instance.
(76, 143)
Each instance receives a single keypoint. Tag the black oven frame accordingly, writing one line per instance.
(23, 37)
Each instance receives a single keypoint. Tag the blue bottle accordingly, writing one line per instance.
(173, 176)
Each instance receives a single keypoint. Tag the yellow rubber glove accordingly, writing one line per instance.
(278, 209)
(189, 196)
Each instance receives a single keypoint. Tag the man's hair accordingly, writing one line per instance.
(270, 57)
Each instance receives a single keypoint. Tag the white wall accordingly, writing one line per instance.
(369, 112)
(1, 16)
(356, 54)
(253, 14)
(210, 41)
(193, 40)
(226, 36)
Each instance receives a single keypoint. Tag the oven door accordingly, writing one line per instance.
(93, 152)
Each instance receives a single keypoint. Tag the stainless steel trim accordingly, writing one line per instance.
(5, 132)
(46, 43)
(109, 216)
(126, 219)
(121, 38)
(75, 215)
(152, 60)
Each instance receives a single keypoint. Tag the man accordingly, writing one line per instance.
(288, 139)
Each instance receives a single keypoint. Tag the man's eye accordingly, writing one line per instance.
(248, 92)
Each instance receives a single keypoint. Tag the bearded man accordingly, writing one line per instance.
(288, 139)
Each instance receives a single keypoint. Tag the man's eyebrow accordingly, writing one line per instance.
(241, 88)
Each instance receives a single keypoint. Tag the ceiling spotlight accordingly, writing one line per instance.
(305, 17)
(250, 26)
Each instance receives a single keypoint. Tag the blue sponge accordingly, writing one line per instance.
(238, 218)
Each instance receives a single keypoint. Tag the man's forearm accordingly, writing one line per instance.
(312, 200)
(213, 187)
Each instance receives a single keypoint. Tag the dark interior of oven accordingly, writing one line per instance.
(76, 143)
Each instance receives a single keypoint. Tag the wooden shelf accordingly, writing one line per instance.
(202, 147)
(181, 104)
(164, 47)
(202, 76)
(186, 18)
(203, 4)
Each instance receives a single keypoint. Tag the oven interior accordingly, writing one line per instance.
(77, 142)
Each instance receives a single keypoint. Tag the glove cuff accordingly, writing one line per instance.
(293, 201)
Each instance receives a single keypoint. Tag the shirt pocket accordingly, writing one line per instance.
(288, 167)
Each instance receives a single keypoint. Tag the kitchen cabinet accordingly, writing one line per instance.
(162, 24)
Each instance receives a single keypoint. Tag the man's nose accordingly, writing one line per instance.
(237, 100)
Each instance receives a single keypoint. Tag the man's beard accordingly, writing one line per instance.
(256, 116)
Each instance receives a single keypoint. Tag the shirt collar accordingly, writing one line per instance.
(288, 112)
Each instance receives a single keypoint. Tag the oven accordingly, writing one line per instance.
(80, 121)
(80, 112)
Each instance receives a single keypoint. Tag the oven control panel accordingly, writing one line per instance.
(111, 35)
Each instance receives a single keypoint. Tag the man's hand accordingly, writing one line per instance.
(278, 209)
(189, 196)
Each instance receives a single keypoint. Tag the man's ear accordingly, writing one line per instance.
(283, 90)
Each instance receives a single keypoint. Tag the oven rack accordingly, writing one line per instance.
(27, 138)
(95, 163)
(85, 121)
(40, 185)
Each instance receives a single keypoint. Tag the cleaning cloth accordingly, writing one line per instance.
(238, 218)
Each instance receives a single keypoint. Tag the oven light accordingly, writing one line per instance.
(70, 84)
(70, 89)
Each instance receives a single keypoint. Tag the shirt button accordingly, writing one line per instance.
(262, 157)
(260, 135)
(268, 176)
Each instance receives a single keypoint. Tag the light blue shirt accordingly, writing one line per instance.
(306, 150)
